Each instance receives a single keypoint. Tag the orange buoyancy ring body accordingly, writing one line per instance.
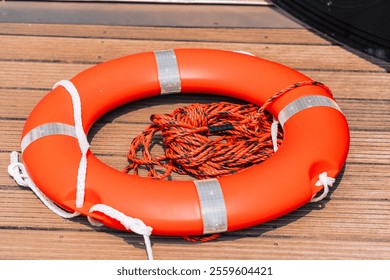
(316, 139)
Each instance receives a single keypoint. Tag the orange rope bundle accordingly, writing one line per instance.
(208, 140)
(205, 140)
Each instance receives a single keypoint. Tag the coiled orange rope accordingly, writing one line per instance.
(207, 140)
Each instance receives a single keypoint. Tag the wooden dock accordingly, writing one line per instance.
(38, 47)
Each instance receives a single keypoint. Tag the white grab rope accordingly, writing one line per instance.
(274, 133)
(19, 173)
(323, 180)
(133, 224)
(81, 137)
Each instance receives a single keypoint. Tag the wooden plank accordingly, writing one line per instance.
(359, 85)
(90, 50)
(216, 34)
(21, 244)
(22, 209)
(369, 147)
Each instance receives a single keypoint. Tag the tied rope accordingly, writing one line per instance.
(135, 225)
(81, 138)
(19, 173)
(326, 182)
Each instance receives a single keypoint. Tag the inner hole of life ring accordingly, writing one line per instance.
(111, 135)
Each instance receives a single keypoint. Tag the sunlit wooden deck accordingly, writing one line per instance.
(353, 223)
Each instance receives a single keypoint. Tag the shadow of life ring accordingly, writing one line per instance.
(57, 158)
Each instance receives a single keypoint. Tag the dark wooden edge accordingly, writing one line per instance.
(173, 15)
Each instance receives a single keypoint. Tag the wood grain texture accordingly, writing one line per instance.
(353, 223)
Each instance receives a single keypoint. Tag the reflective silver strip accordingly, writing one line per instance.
(303, 103)
(46, 130)
(168, 71)
(212, 206)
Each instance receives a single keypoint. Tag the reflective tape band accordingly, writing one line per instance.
(303, 103)
(212, 206)
(46, 130)
(168, 71)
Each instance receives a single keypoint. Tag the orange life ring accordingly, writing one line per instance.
(316, 139)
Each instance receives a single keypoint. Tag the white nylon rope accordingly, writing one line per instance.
(133, 224)
(129, 223)
(19, 173)
(274, 133)
(81, 137)
(323, 180)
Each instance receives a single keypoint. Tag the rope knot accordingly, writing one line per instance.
(133, 224)
(323, 180)
(17, 170)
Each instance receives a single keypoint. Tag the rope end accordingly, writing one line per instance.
(135, 225)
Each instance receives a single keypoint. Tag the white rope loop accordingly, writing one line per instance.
(81, 137)
(133, 224)
(17, 170)
(323, 180)
(19, 173)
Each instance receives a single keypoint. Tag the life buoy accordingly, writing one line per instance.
(316, 139)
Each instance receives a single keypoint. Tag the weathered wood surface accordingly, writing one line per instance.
(353, 223)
